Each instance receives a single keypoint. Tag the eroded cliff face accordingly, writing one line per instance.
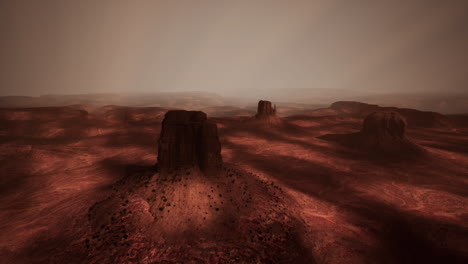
(188, 139)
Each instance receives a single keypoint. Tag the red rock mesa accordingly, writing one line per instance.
(188, 139)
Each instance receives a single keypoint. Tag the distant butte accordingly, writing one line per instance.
(385, 132)
(188, 139)
(265, 110)
(382, 132)
(415, 118)
(267, 113)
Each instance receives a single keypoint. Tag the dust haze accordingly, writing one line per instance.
(243, 131)
(297, 52)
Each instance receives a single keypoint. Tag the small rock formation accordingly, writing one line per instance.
(265, 110)
(188, 139)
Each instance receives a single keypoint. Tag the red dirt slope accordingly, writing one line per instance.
(302, 196)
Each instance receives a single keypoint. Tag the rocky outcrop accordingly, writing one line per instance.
(384, 125)
(414, 118)
(382, 132)
(265, 110)
(385, 132)
(188, 139)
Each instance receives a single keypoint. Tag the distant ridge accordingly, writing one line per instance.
(414, 117)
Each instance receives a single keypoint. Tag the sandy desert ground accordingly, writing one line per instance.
(66, 171)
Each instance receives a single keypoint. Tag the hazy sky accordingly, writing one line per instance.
(232, 46)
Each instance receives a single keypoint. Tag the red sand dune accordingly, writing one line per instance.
(69, 179)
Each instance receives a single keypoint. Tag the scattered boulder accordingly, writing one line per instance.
(188, 139)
